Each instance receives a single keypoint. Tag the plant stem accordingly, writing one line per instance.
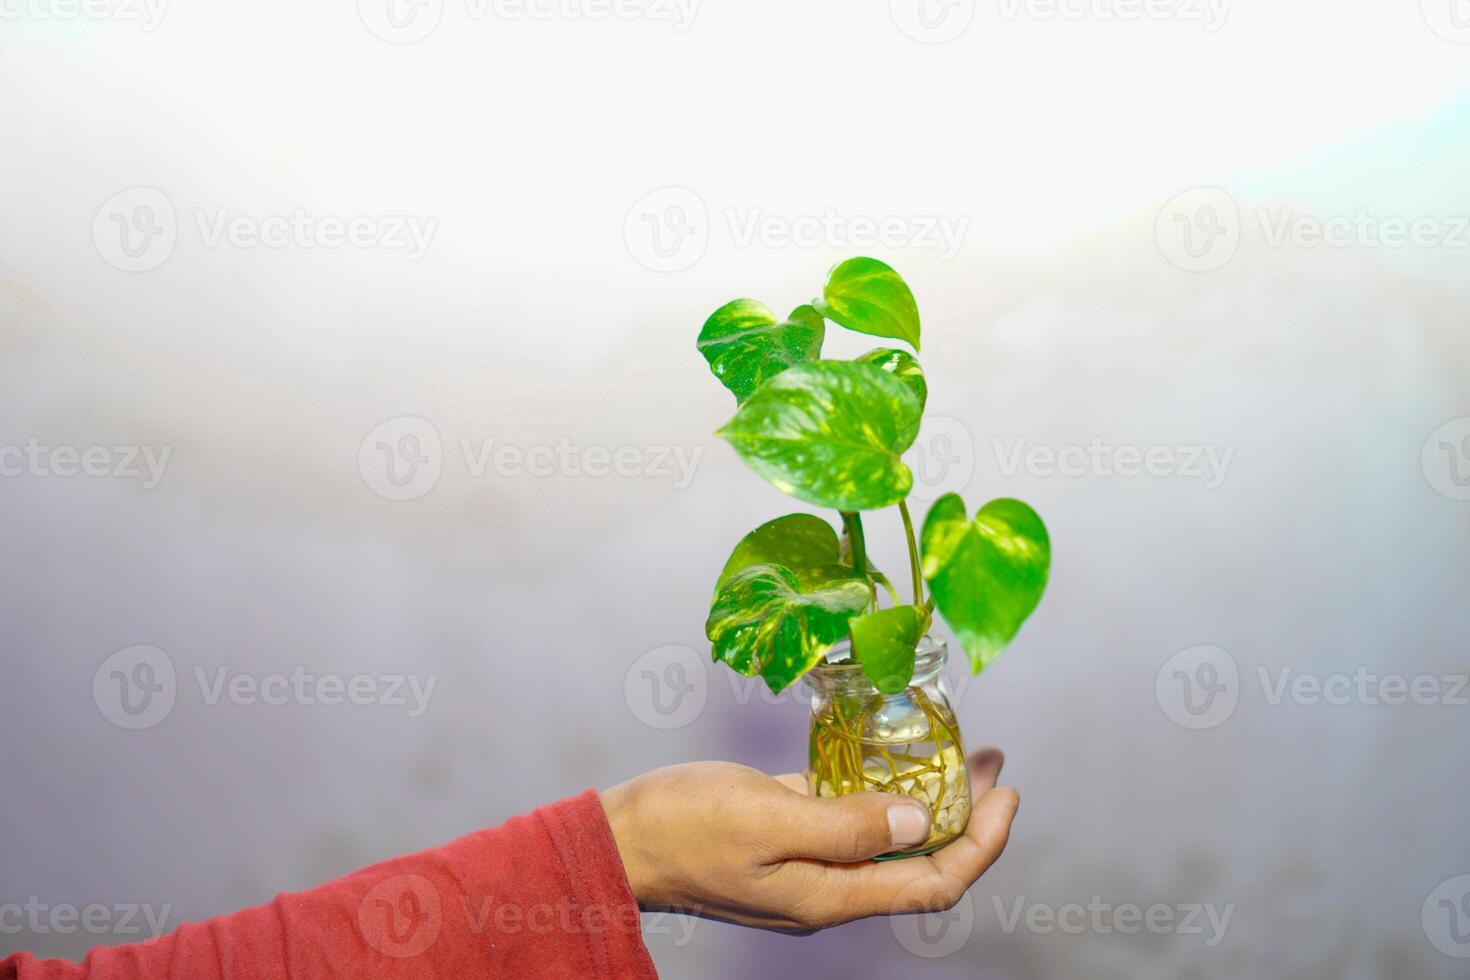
(888, 587)
(852, 523)
(908, 528)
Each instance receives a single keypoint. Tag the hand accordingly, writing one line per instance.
(722, 840)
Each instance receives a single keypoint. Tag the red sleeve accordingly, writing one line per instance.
(542, 895)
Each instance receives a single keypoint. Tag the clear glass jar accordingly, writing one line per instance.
(863, 739)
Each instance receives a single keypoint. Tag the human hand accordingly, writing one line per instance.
(726, 841)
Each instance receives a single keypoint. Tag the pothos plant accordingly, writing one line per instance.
(832, 433)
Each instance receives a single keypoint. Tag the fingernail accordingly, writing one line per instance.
(908, 823)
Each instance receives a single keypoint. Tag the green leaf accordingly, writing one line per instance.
(867, 296)
(765, 621)
(745, 345)
(802, 544)
(903, 366)
(884, 642)
(797, 541)
(986, 575)
(830, 433)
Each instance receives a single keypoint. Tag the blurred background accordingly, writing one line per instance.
(352, 348)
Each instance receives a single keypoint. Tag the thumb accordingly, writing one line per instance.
(854, 827)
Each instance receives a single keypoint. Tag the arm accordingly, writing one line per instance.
(547, 894)
(542, 895)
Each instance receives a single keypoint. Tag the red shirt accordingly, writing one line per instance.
(542, 895)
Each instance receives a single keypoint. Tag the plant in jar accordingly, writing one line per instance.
(796, 601)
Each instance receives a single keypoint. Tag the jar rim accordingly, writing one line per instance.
(930, 656)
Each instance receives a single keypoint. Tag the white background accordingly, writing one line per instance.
(531, 320)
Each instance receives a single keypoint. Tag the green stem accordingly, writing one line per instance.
(852, 524)
(908, 528)
(882, 580)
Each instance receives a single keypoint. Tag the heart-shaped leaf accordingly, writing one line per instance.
(903, 366)
(797, 541)
(745, 344)
(867, 296)
(884, 642)
(765, 621)
(830, 433)
(986, 574)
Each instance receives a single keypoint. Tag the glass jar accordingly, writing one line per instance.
(863, 739)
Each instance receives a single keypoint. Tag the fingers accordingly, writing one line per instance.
(936, 882)
(847, 829)
(979, 848)
(860, 826)
(933, 883)
(985, 766)
(985, 838)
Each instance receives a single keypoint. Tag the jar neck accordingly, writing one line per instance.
(833, 677)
